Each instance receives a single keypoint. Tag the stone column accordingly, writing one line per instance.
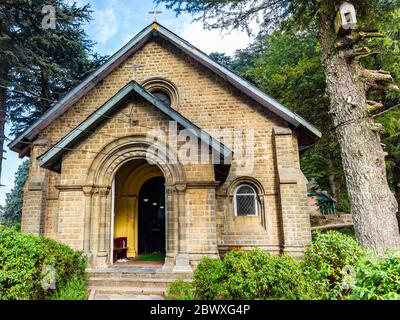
(94, 223)
(132, 225)
(88, 192)
(201, 220)
(172, 236)
(182, 258)
(292, 193)
(109, 217)
(102, 248)
(34, 204)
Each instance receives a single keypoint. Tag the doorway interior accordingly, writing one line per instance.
(139, 213)
(151, 219)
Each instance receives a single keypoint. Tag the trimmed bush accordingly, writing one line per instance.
(180, 290)
(334, 267)
(208, 278)
(29, 263)
(377, 278)
(245, 275)
(326, 261)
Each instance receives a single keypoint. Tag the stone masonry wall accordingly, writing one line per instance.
(210, 103)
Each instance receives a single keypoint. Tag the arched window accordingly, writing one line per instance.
(245, 201)
(163, 90)
(163, 96)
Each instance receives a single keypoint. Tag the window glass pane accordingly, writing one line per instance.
(162, 96)
(246, 205)
(245, 190)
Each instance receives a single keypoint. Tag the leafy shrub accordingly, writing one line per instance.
(180, 290)
(208, 277)
(325, 260)
(23, 263)
(75, 289)
(252, 274)
(17, 226)
(334, 267)
(377, 278)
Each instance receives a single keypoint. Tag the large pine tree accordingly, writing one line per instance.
(348, 83)
(39, 63)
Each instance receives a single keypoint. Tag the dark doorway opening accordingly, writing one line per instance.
(151, 225)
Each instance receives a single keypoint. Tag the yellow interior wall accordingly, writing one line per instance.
(128, 182)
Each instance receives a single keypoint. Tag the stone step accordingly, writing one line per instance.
(130, 282)
(117, 296)
(132, 275)
(105, 290)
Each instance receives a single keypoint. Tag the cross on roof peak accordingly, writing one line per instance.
(155, 12)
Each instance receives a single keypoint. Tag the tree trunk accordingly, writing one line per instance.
(373, 204)
(396, 184)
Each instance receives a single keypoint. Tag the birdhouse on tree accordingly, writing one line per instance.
(346, 19)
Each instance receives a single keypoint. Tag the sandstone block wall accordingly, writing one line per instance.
(57, 209)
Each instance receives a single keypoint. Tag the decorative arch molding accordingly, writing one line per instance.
(246, 180)
(107, 162)
(162, 84)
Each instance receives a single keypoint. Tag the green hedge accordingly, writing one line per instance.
(377, 278)
(29, 263)
(327, 261)
(334, 267)
(249, 275)
(180, 290)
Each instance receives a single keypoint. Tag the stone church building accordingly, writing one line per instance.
(110, 160)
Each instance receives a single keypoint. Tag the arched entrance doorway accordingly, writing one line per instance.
(139, 211)
(151, 209)
(110, 214)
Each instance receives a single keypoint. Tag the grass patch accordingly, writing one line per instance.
(151, 257)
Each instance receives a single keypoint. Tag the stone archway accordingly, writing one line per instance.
(129, 181)
(98, 198)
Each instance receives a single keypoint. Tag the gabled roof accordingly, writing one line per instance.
(52, 157)
(156, 30)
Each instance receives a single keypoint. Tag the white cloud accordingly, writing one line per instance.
(105, 23)
(215, 40)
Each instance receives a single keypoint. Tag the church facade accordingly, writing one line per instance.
(171, 152)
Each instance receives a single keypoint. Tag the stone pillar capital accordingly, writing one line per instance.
(88, 190)
(178, 187)
(102, 190)
(279, 131)
(181, 187)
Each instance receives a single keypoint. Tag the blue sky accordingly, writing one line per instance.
(114, 23)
